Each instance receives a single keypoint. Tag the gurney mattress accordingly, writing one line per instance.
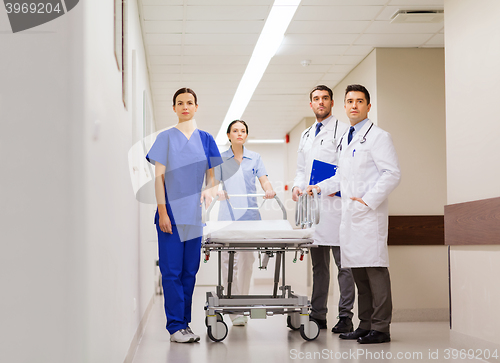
(244, 231)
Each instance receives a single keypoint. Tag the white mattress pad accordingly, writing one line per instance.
(254, 230)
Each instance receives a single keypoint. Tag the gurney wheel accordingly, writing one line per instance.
(293, 321)
(313, 330)
(218, 334)
(219, 318)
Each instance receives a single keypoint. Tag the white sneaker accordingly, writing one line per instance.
(240, 320)
(196, 337)
(181, 336)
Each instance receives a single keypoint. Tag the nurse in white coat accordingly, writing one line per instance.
(368, 172)
(321, 145)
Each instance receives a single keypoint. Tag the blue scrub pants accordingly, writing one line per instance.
(179, 262)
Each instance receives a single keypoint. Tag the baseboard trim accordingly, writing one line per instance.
(140, 331)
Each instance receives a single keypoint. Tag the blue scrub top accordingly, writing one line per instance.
(240, 179)
(186, 162)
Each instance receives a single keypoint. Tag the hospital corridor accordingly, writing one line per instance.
(249, 181)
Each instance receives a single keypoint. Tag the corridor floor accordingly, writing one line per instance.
(269, 340)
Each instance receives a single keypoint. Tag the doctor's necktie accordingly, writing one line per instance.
(349, 138)
(318, 127)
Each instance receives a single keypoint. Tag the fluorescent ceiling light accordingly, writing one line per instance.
(265, 141)
(269, 41)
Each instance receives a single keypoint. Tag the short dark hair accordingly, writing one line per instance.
(185, 90)
(358, 88)
(235, 121)
(321, 87)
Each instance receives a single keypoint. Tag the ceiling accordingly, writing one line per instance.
(207, 47)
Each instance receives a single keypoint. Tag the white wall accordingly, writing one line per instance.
(70, 220)
(120, 241)
(364, 73)
(42, 310)
(411, 106)
(472, 57)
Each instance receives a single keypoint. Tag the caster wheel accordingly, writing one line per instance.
(312, 332)
(293, 321)
(219, 318)
(219, 333)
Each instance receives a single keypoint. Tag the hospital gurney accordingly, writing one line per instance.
(269, 238)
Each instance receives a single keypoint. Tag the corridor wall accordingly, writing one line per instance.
(472, 56)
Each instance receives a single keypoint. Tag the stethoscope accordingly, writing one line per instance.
(363, 140)
(306, 135)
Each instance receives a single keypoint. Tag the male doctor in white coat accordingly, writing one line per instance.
(319, 142)
(368, 172)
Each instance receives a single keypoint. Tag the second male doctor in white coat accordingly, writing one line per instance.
(368, 172)
(319, 142)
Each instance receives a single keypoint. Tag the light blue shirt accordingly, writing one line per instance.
(239, 179)
(359, 126)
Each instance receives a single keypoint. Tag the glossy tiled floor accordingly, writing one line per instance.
(269, 340)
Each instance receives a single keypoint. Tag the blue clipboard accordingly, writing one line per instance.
(321, 171)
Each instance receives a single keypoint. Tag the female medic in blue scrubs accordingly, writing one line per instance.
(238, 173)
(183, 156)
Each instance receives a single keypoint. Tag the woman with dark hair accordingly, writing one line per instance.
(183, 156)
(238, 173)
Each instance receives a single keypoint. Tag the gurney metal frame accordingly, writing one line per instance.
(260, 306)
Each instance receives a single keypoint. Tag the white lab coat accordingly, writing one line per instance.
(369, 171)
(323, 147)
